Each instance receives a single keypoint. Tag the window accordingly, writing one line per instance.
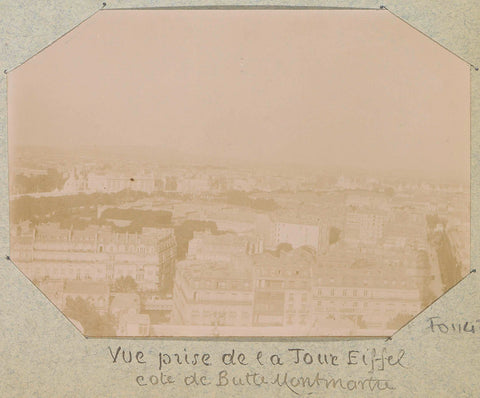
(140, 275)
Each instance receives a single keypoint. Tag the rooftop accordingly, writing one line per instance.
(86, 287)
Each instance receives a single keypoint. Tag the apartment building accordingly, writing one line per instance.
(95, 253)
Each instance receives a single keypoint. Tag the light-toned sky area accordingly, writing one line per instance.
(356, 88)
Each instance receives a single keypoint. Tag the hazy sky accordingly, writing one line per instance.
(321, 87)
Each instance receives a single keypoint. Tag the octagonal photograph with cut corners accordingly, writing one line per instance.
(240, 172)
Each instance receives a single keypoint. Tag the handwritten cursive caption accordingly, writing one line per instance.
(299, 370)
(437, 325)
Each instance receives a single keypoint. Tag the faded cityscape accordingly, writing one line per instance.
(240, 172)
(138, 248)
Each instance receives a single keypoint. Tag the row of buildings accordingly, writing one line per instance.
(220, 180)
(226, 280)
(96, 253)
(126, 310)
(330, 263)
(294, 289)
(108, 183)
(174, 181)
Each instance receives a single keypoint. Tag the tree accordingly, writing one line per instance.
(241, 198)
(390, 192)
(361, 322)
(238, 198)
(434, 219)
(334, 235)
(427, 295)
(399, 320)
(263, 204)
(125, 284)
(284, 247)
(92, 322)
(139, 218)
(30, 208)
(48, 182)
(360, 263)
(184, 233)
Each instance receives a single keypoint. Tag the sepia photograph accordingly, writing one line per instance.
(240, 172)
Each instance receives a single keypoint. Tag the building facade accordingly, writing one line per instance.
(96, 253)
